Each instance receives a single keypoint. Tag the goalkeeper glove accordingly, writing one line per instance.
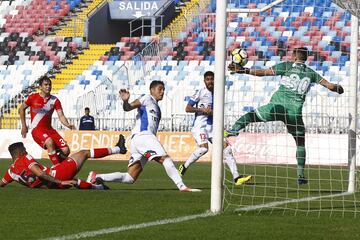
(229, 133)
(235, 68)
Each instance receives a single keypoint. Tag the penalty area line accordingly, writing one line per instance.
(130, 227)
(278, 203)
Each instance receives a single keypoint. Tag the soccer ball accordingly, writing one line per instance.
(239, 56)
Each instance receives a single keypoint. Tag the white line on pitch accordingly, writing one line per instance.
(130, 227)
(277, 203)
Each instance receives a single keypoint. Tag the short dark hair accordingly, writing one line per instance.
(88, 109)
(301, 53)
(14, 147)
(155, 83)
(43, 79)
(209, 73)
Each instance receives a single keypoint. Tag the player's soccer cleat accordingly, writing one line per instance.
(240, 180)
(121, 144)
(229, 133)
(302, 180)
(182, 169)
(100, 187)
(91, 177)
(187, 189)
(100, 181)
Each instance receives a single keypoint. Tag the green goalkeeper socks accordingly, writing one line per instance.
(300, 157)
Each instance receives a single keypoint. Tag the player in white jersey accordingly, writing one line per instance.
(145, 146)
(201, 103)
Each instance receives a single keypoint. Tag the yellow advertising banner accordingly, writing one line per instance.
(179, 145)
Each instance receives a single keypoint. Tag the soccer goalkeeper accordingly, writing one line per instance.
(287, 102)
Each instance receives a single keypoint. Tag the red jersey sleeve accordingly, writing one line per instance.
(7, 178)
(29, 99)
(57, 104)
(30, 161)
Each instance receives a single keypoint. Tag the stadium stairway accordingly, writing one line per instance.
(10, 120)
(90, 55)
(178, 25)
(78, 21)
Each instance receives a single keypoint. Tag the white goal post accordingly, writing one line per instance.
(219, 95)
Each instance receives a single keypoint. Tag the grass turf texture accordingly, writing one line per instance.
(35, 213)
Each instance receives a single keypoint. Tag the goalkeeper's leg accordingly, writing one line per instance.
(245, 120)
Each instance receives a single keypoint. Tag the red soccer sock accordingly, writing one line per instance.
(83, 184)
(99, 152)
(54, 158)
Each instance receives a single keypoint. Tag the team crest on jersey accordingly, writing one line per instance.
(148, 154)
(45, 135)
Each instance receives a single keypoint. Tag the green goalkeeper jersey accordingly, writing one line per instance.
(296, 80)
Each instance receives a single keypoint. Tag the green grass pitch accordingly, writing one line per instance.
(37, 214)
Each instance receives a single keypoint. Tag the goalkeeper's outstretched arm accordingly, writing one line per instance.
(332, 86)
(233, 68)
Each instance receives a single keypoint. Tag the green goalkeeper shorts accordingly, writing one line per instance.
(278, 112)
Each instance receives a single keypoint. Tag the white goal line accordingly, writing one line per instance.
(130, 227)
(277, 203)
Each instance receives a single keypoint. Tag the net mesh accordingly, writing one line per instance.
(266, 150)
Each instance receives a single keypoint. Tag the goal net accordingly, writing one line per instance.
(266, 150)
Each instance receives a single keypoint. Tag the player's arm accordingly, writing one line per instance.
(6, 179)
(125, 96)
(331, 86)
(64, 120)
(43, 175)
(233, 68)
(191, 109)
(24, 127)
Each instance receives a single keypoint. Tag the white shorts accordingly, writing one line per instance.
(202, 134)
(144, 148)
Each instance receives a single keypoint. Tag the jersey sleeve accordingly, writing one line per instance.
(316, 78)
(142, 99)
(29, 100)
(57, 104)
(195, 98)
(7, 177)
(280, 68)
(30, 161)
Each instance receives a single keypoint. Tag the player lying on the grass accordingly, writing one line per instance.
(201, 103)
(42, 106)
(145, 146)
(27, 171)
(287, 102)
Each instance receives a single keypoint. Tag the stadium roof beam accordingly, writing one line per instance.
(353, 6)
(253, 10)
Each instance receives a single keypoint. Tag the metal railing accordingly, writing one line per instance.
(183, 123)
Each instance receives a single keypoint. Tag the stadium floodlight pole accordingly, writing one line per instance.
(353, 88)
(218, 116)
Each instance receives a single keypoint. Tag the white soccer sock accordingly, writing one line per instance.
(231, 161)
(173, 173)
(114, 150)
(116, 177)
(195, 156)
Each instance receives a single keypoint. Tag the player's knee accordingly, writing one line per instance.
(65, 151)
(128, 179)
(202, 151)
(50, 144)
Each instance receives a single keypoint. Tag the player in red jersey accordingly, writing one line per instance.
(42, 106)
(27, 171)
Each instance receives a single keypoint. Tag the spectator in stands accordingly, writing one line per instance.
(87, 121)
(287, 102)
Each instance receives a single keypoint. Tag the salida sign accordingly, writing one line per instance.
(131, 9)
